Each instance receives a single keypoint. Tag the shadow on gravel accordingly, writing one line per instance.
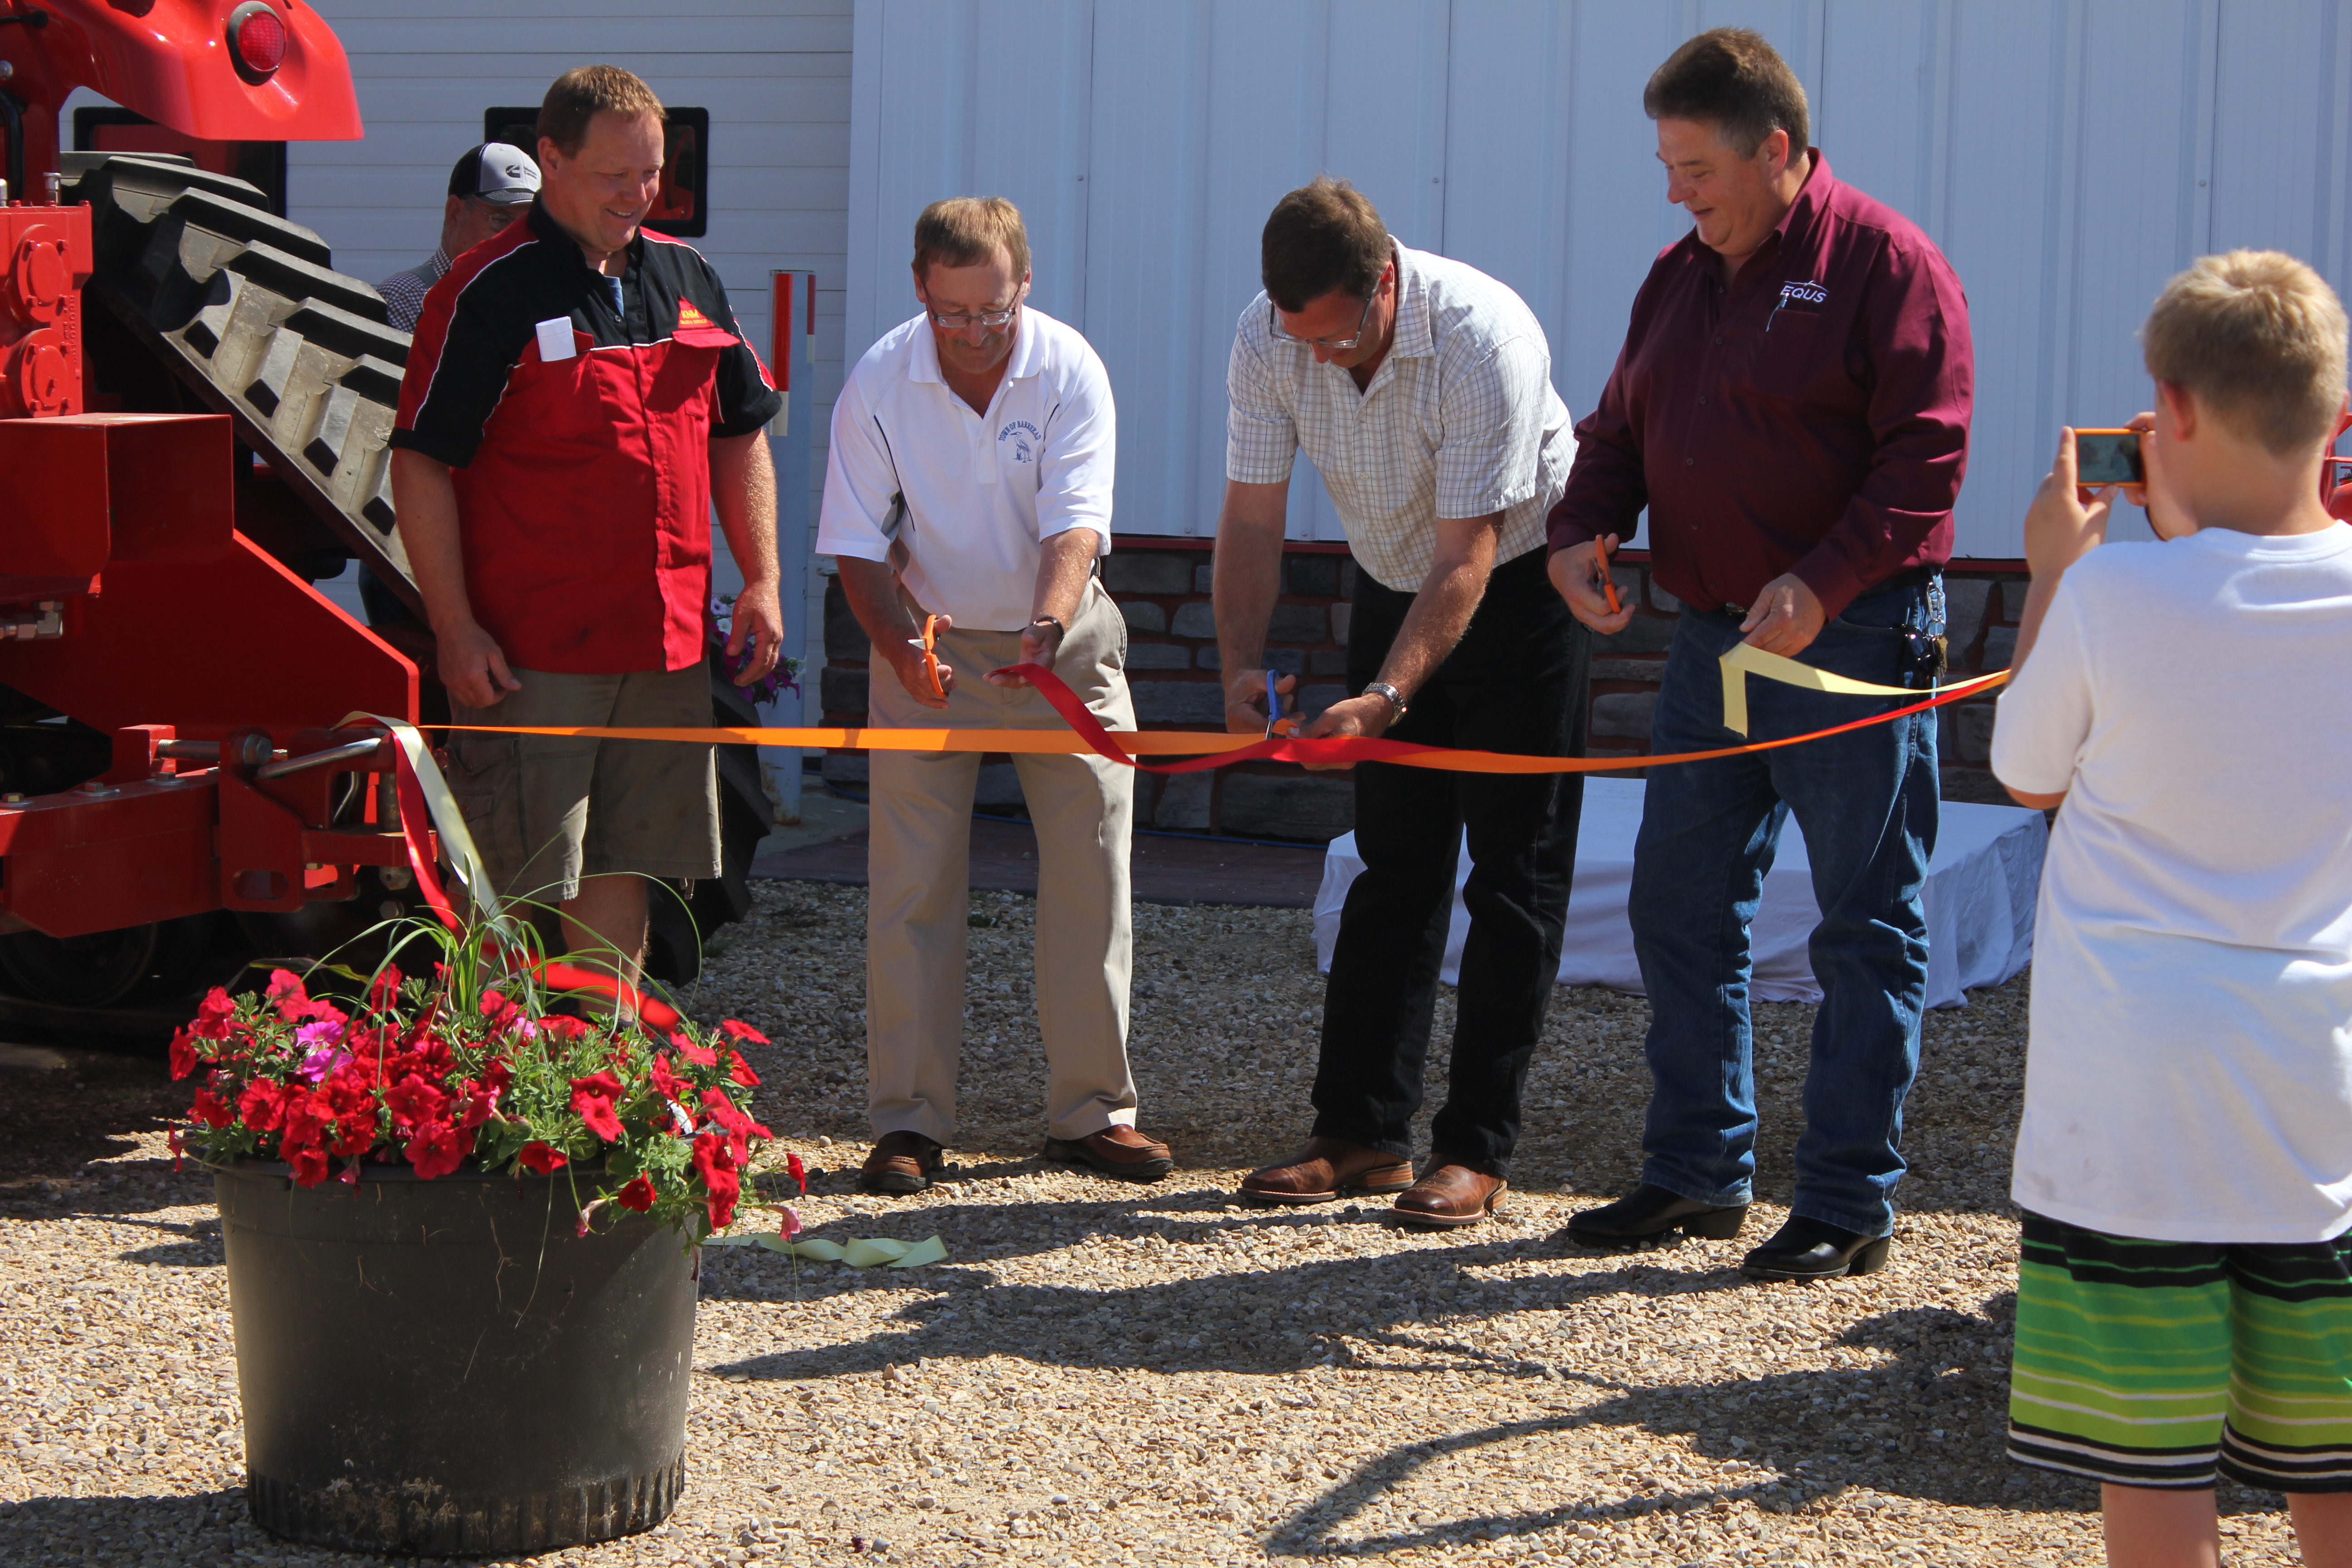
(193, 1531)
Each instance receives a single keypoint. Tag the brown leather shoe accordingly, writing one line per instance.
(1327, 1168)
(1119, 1151)
(1450, 1196)
(901, 1163)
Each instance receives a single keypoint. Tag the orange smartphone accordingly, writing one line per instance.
(2104, 457)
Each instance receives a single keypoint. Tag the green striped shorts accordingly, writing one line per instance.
(2161, 1363)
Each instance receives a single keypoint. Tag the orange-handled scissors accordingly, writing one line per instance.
(1608, 583)
(931, 658)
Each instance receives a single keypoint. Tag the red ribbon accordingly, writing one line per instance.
(1333, 751)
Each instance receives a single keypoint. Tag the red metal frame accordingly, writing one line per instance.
(169, 628)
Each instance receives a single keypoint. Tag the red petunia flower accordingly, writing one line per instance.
(667, 1084)
(638, 1195)
(563, 1028)
(593, 1097)
(724, 1111)
(263, 1105)
(309, 1165)
(477, 1104)
(700, 1055)
(735, 1028)
(719, 1165)
(741, 1070)
(437, 1148)
(208, 1109)
(184, 1053)
(538, 1156)
(215, 1016)
(383, 991)
(414, 1102)
(798, 1171)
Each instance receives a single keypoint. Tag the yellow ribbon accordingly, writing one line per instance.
(1745, 660)
(858, 1252)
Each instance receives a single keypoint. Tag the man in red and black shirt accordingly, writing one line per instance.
(1791, 404)
(577, 401)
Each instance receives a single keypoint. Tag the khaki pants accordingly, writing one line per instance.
(919, 869)
(547, 810)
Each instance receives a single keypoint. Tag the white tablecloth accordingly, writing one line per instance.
(1980, 899)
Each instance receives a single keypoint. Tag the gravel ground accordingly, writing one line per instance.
(1105, 1375)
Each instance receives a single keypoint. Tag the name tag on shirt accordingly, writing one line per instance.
(555, 340)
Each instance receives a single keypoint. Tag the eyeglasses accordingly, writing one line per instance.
(498, 214)
(990, 319)
(1274, 325)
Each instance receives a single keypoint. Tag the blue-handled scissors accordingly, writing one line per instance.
(1277, 722)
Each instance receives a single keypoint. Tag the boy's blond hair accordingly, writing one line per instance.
(2259, 338)
(966, 231)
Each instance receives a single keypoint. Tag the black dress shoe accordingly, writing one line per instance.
(1808, 1249)
(1652, 1216)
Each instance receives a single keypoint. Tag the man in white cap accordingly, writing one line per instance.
(488, 189)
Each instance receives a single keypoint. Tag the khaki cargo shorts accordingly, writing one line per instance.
(547, 810)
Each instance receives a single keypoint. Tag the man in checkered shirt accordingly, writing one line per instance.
(1420, 390)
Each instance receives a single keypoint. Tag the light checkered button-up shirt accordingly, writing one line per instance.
(1459, 420)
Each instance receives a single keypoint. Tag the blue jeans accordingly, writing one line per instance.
(1868, 801)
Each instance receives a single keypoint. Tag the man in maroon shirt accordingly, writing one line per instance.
(1791, 404)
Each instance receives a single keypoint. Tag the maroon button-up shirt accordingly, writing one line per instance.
(1812, 417)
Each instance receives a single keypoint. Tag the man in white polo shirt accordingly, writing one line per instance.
(971, 479)
(1420, 389)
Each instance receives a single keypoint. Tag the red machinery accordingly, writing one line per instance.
(167, 745)
(194, 408)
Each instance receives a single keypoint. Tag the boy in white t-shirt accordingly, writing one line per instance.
(2185, 1157)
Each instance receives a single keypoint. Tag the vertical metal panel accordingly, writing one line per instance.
(2068, 157)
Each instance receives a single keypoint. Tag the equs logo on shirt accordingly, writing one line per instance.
(1024, 438)
(690, 317)
(1802, 297)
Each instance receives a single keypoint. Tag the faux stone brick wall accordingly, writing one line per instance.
(1162, 589)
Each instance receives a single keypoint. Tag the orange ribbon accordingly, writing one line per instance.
(1203, 748)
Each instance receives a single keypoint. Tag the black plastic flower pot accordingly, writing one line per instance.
(446, 1368)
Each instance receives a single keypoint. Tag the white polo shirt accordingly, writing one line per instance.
(981, 493)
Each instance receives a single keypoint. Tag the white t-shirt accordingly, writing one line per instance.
(981, 492)
(2190, 1075)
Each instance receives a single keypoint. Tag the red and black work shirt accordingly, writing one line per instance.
(578, 422)
(1810, 418)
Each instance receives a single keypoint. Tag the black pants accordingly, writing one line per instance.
(1517, 682)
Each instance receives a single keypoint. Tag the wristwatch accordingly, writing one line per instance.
(1395, 698)
(1053, 621)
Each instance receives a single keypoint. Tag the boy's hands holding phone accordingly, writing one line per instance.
(2061, 528)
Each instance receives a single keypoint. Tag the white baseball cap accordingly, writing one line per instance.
(495, 173)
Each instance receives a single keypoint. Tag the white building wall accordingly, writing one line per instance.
(2068, 157)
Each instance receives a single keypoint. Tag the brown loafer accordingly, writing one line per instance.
(1327, 1168)
(901, 1163)
(1450, 1196)
(1119, 1151)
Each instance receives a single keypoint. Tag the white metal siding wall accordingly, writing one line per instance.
(2068, 157)
(773, 73)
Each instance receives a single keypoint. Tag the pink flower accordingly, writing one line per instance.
(788, 1224)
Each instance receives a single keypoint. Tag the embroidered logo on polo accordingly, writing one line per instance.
(690, 317)
(1024, 438)
(1805, 297)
